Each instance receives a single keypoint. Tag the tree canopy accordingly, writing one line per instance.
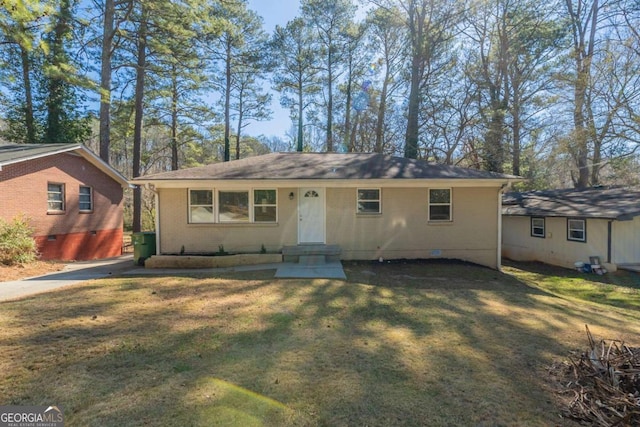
(549, 91)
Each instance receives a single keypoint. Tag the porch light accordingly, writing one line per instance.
(291, 196)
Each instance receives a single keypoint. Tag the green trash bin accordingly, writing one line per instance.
(144, 245)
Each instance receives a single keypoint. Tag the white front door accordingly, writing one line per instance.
(311, 215)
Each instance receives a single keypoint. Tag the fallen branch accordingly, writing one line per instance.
(605, 383)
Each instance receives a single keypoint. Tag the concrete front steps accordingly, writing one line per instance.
(311, 254)
(311, 261)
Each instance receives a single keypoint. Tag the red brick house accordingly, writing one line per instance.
(72, 199)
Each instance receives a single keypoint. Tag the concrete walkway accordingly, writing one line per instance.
(82, 271)
(327, 270)
(72, 273)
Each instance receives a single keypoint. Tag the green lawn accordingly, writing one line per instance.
(436, 344)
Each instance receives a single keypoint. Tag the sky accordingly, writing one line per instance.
(274, 12)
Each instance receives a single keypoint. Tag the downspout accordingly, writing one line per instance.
(609, 227)
(156, 202)
(499, 245)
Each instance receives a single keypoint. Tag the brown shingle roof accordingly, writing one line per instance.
(281, 166)
(608, 203)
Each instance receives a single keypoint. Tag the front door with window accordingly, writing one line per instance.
(311, 222)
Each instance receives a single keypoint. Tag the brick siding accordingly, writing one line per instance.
(78, 235)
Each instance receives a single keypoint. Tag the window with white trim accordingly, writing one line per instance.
(369, 201)
(537, 227)
(440, 204)
(233, 206)
(85, 199)
(55, 197)
(265, 206)
(577, 230)
(201, 206)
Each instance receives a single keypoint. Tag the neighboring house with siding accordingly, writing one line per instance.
(367, 205)
(72, 199)
(561, 227)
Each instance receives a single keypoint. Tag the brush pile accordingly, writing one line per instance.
(605, 384)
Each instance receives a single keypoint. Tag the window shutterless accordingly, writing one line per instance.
(577, 230)
(55, 197)
(440, 204)
(537, 227)
(201, 206)
(369, 201)
(85, 199)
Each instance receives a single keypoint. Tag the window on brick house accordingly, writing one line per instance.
(85, 201)
(55, 197)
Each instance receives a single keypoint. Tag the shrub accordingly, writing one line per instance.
(17, 245)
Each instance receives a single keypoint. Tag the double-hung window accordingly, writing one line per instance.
(577, 230)
(55, 197)
(265, 206)
(537, 227)
(440, 204)
(85, 199)
(369, 201)
(201, 206)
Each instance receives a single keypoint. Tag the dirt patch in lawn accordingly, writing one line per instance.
(405, 344)
(23, 271)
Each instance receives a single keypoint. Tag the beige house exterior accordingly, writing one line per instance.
(371, 206)
(563, 227)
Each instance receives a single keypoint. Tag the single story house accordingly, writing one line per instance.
(72, 199)
(562, 227)
(371, 206)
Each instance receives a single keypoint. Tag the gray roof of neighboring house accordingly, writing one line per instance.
(318, 166)
(16, 153)
(608, 203)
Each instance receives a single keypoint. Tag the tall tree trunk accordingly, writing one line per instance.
(583, 51)
(139, 111)
(580, 131)
(353, 133)
(415, 31)
(516, 138)
(174, 118)
(381, 111)
(240, 118)
(227, 101)
(28, 96)
(347, 112)
(105, 78)
(330, 108)
(300, 145)
(55, 97)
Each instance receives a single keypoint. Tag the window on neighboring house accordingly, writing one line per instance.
(201, 206)
(55, 197)
(265, 205)
(369, 201)
(537, 227)
(233, 206)
(577, 230)
(85, 199)
(440, 204)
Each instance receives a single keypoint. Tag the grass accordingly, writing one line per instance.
(397, 344)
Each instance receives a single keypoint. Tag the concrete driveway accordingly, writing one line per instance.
(72, 273)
